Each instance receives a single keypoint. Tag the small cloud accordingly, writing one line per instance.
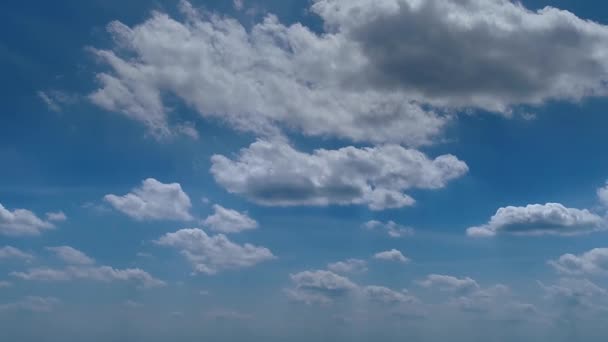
(392, 255)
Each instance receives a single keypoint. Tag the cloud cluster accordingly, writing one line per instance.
(593, 262)
(362, 79)
(22, 222)
(211, 254)
(391, 228)
(229, 221)
(274, 173)
(153, 200)
(539, 219)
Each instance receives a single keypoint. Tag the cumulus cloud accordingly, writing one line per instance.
(391, 228)
(392, 255)
(362, 78)
(320, 287)
(539, 219)
(451, 284)
(211, 254)
(274, 173)
(154, 200)
(576, 294)
(93, 273)
(9, 252)
(348, 266)
(229, 221)
(384, 295)
(71, 255)
(22, 222)
(602, 194)
(593, 262)
(33, 304)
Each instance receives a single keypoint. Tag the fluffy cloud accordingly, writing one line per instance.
(363, 78)
(274, 173)
(538, 219)
(319, 287)
(384, 295)
(576, 294)
(9, 252)
(392, 255)
(154, 200)
(71, 255)
(21, 222)
(393, 229)
(602, 194)
(592, 262)
(94, 273)
(32, 303)
(229, 221)
(348, 266)
(211, 254)
(450, 284)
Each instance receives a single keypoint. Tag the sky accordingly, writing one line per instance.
(306, 170)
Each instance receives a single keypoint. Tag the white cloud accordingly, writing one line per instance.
(384, 295)
(229, 221)
(361, 79)
(56, 99)
(274, 173)
(538, 219)
(5, 284)
(94, 273)
(56, 216)
(9, 252)
(592, 262)
(348, 266)
(392, 255)
(154, 201)
(391, 228)
(32, 303)
(319, 287)
(22, 222)
(576, 294)
(602, 194)
(71, 255)
(450, 284)
(211, 254)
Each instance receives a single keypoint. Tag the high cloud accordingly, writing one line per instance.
(539, 219)
(392, 255)
(383, 71)
(593, 262)
(274, 173)
(391, 228)
(229, 221)
(22, 222)
(211, 254)
(154, 200)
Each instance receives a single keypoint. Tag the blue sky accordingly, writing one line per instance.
(303, 170)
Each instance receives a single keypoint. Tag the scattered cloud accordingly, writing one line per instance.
(391, 228)
(451, 284)
(105, 274)
(229, 221)
(56, 216)
(576, 294)
(593, 262)
(5, 284)
(211, 254)
(319, 287)
(384, 295)
(22, 222)
(602, 195)
(9, 252)
(539, 219)
(55, 100)
(392, 255)
(33, 304)
(348, 266)
(71, 255)
(274, 173)
(154, 200)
